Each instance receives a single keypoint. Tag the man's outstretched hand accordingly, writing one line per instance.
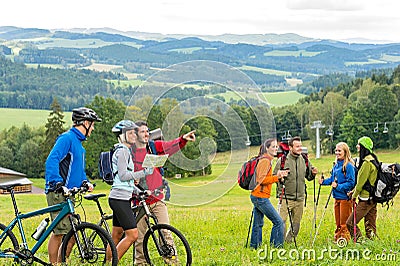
(190, 136)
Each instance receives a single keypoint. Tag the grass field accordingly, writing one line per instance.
(186, 50)
(266, 71)
(369, 62)
(217, 230)
(273, 98)
(283, 98)
(291, 53)
(33, 118)
(391, 58)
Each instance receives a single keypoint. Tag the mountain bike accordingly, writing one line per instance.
(163, 244)
(76, 249)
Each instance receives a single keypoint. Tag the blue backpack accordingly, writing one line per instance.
(105, 166)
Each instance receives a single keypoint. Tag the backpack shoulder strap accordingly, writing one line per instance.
(152, 147)
(305, 157)
(376, 164)
(283, 160)
(307, 162)
(117, 147)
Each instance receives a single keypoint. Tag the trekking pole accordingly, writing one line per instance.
(315, 209)
(354, 222)
(322, 218)
(305, 193)
(314, 190)
(248, 232)
(280, 200)
(290, 215)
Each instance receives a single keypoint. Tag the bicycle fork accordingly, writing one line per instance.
(82, 247)
(161, 242)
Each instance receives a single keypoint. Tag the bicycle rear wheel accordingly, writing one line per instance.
(93, 241)
(166, 246)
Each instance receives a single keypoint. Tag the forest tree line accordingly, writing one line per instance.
(349, 108)
(348, 111)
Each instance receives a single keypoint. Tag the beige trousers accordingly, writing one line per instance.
(159, 209)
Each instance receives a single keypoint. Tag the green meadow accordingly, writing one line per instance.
(266, 70)
(273, 98)
(217, 229)
(291, 53)
(34, 118)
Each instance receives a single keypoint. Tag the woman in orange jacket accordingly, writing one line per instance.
(261, 194)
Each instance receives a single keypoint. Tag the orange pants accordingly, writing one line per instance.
(343, 209)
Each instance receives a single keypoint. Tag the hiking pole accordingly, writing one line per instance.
(248, 232)
(354, 221)
(290, 215)
(280, 200)
(322, 218)
(305, 192)
(315, 209)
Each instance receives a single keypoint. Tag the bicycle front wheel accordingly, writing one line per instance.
(89, 248)
(8, 240)
(163, 244)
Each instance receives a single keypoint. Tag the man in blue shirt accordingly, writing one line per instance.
(66, 164)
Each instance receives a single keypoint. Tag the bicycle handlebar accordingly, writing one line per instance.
(145, 193)
(72, 191)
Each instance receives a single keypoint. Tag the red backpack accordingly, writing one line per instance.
(247, 174)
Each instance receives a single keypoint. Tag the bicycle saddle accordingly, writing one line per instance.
(94, 196)
(8, 187)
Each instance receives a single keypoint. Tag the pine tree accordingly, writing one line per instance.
(54, 126)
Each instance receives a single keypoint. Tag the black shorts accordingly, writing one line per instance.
(122, 214)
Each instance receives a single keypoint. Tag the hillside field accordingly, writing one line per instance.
(35, 118)
(273, 98)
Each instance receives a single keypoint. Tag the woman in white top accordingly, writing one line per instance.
(123, 186)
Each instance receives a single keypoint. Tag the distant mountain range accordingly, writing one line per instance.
(7, 32)
(261, 55)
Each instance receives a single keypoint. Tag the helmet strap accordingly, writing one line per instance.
(126, 139)
(87, 128)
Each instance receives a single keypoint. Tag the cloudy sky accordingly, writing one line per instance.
(377, 20)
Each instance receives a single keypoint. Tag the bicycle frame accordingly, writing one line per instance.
(154, 229)
(65, 208)
(104, 218)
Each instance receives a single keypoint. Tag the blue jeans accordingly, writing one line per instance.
(262, 206)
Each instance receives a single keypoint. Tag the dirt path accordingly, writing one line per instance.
(36, 190)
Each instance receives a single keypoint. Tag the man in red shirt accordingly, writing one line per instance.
(154, 180)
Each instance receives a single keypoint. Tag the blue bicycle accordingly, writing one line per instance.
(85, 243)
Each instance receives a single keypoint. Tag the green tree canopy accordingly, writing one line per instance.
(110, 111)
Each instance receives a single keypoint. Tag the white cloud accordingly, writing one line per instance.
(340, 5)
(333, 19)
